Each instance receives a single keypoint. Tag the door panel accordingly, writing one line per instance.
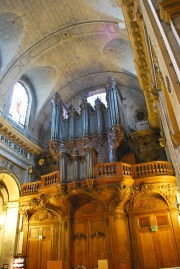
(39, 249)
(148, 259)
(97, 242)
(167, 247)
(46, 246)
(79, 242)
(155, 241)
(32, 255)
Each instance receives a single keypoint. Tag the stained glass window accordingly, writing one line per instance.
(101, 96)
(19, 104)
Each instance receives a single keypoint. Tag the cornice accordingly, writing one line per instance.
(8, 130)
(134, 21)
(169, 9)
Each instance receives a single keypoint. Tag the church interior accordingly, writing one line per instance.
(89, 134)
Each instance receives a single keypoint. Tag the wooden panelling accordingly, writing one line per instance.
(156, 245)
(32, 255)
(97, 242)
(146, 248)
(80, 243)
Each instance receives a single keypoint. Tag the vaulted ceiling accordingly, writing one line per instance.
(62, 45)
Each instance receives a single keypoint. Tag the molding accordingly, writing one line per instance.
(176, 139)
(169, 9)
(135, 25)
(8, 130)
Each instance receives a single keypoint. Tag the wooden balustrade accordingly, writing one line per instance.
(50, 179)
(127, 169)
(112, 170)
(30, 188)
(116, 170)
(103, 170)
(152, 169)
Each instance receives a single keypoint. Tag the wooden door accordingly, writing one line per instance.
(39, 249)
(88, 244)
(155, 241)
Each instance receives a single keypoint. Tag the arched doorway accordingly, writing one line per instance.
(9, 196)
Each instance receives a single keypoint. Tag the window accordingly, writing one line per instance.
(19, 104)
(101, 96)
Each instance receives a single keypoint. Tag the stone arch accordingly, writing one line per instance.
(9, 196)
(9, 184)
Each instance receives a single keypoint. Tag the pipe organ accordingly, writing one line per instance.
(95, 206)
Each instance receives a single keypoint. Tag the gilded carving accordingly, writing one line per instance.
(137, 13)
(132, 13)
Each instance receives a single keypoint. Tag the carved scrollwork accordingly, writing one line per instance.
(63, 189)
(115, 136)
(23, 210)
(148, 196)
(137, 13)
(86, 141)
(36, 204)
(89, 185)
(97, 235)
(54, 148)
(44, 215)
(101, 139)
(79, 236)
(70, 145)
(168, 191)
(73, 187)
(120, 196)
(150, 202)
(146, 188)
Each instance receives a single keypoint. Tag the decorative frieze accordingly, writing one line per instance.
(16, 137)
(15, 147)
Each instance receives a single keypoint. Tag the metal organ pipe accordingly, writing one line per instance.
(112, 100)
(71, 116)
(85, 118)
(100, 115)
(55, 117)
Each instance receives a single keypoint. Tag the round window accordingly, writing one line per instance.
(140, 115)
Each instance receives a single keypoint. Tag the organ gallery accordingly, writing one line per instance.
(89, 135)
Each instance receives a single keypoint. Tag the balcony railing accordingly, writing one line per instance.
(30, 188)
(106, 171)
(50, 179)
(116, 169)
(152, 169)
